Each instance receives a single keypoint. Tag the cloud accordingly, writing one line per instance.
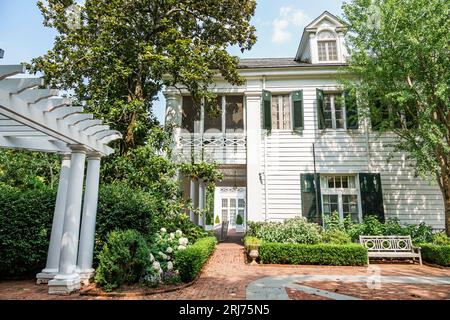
(288, 17)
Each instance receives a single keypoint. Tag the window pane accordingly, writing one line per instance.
(322, 50)
(275, 112)
(213, 117)
(337, 182)
(331, 182)
(224, 215)
(351, 182)
(344, 182)
(286, 113)
(350, 206)
(339, 111)
(241, 203)
(234, 114)
(330, 203)
(191, 115)
(332, 50)
(327, 112)
(232, 203)
(224, 203)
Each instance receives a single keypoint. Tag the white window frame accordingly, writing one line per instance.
(333, 95)
(325, 190)
(327, 49)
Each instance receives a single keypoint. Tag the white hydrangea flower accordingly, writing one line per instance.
(169, 265)
(181, 247)
(183, 241)
(156, 266)
(172, 236)
(169, 250)
(163, 230)
(179, 232)
(152, 258)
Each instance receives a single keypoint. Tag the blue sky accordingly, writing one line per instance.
(279, 25)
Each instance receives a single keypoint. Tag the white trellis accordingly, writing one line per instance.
(37, 119)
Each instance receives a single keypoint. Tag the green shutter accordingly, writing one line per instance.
(320, 109)
(371, 195)
(297, 106)
(309, 203)
(351, 110)
(267, 109)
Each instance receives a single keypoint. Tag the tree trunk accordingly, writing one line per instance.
(444, 183)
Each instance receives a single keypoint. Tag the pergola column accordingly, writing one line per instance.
(68, 280)
(201, 202)
(87, 236)
(193, 196)
(54, 248)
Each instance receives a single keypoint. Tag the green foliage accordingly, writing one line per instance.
(239, 220)
(207, 171)
(254, 227)
(335, 237)
(25, 227)
(181, 221)
(321, 254)
(439, 254)
(250, 241)
(406, 44)
(440, 239)
(190, 261)
(29, 170)
(217, 221)
(133, 48)
(124, 259)
(296, 230)
(209, 219)
(121, 208)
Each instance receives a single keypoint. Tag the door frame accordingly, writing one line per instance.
(230, 192)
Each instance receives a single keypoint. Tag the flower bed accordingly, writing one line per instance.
(316, 254)
(190, 261)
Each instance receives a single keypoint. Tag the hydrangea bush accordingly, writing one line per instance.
(163, 247)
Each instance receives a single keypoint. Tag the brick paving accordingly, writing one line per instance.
(226, 276)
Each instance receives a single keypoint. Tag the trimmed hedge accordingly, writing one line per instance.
(25, 227)
(436, 254)
(317, 254)
(190, 261)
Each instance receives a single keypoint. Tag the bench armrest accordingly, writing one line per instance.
(416, 249)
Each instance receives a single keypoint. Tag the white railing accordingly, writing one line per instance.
(228, 148)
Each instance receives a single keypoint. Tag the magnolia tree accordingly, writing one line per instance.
(400, 52)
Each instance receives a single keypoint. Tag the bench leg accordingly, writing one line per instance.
(420, 260)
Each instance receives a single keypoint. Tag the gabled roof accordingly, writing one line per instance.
(313, 27)
(258, 63)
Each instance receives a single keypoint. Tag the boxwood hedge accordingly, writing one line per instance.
(439, 254)
(190, 261)
(317, 254)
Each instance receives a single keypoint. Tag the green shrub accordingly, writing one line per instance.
(436, 253)
(316, 254)
(296, 230)
(440, 239)
(124, 259)
(217, 221)
(25, 227)
(335, 237)
(190, 261)
(208, 219)
(239, 220)
(122, 208)
(254, 227)
(181, 222)
(251, 241)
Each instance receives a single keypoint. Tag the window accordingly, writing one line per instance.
(334, 111)
(226, 115)
(281, 112)
(340, 194)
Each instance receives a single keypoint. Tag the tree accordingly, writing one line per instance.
(115, 55)
(400, 54)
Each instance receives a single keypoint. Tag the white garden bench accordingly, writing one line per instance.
(390, 247)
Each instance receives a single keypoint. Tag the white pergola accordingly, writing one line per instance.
(38, 120)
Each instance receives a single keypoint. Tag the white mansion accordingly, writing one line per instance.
(290, 144)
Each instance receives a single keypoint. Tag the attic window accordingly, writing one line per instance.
(327, 47)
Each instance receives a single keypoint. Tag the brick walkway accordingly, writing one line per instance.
(226, 276)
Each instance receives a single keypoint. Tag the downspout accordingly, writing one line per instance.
(265, 162)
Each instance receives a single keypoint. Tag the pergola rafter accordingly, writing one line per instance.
(36, 119)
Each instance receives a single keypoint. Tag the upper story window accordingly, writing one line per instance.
(281, 112)
(327, 46)
(334, 111)
(226, 116)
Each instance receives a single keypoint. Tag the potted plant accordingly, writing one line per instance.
(252, 245)
(240, 224)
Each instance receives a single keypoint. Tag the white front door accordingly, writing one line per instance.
(231, 204)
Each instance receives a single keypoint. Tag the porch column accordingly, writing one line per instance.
(87, 236)
(193, 195)
(201, 202)
(54, 248)
(254, 136)
(67, 280)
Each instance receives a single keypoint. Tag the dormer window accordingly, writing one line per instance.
(327, 47)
